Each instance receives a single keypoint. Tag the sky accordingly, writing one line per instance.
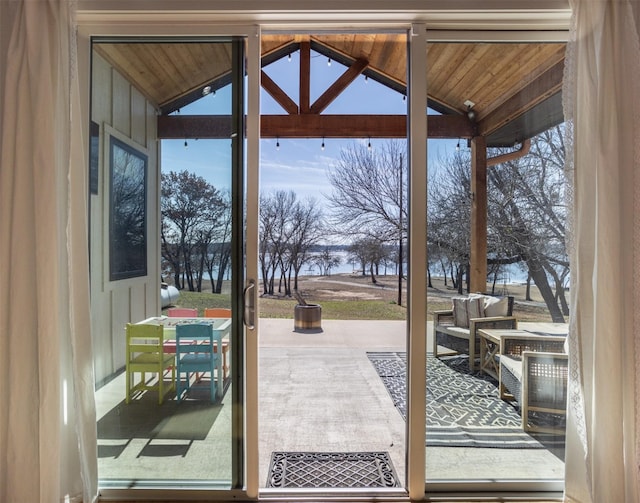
(298, 164)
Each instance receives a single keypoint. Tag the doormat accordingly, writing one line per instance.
(464, 409)
(331, 469)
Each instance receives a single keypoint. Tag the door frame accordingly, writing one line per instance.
(453, 24)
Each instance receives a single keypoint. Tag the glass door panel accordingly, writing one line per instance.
(333, 371)
(167, 178)
(496, 226)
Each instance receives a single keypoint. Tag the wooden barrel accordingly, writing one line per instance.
(308, 317)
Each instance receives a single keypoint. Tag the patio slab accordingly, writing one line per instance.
(318, 392)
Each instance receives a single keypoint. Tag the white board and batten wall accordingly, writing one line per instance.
(122, 111)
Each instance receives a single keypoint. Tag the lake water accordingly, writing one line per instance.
(511, 274)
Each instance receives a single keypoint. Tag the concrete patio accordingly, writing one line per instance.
(318, 392)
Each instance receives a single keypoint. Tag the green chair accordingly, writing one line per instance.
(145, 354)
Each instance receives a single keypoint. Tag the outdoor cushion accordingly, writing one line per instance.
(496, 306)
(460, 316)
(514, 366)
(461, 332)
(475, 307)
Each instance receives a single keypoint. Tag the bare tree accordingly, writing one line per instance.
(448, 215)
(369, 190)
(191, 208)
(218, 258)
(370, 253)
(326, 261)
(530, 216)
(368, 187)
(289, 228)
(526, 221)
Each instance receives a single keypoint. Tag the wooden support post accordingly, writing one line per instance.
(478, 252)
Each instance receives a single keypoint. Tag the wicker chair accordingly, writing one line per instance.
(534, 372)
(447, 334)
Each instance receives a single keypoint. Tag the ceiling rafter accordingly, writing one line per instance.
(278, 94)
(339, 85)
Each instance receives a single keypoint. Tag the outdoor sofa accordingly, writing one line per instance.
(534, 372)
(457, 328)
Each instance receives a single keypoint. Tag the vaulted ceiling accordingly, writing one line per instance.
(512, 89)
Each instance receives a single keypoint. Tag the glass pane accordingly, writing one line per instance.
(163, 339)
(333, 293)
(496, 368)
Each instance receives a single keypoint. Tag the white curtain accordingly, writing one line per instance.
(47, 419)
(602, 106)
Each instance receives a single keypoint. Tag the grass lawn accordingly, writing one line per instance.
(353, 297)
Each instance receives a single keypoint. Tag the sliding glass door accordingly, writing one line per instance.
(168, 248)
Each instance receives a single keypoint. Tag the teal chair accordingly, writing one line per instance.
(196, 353)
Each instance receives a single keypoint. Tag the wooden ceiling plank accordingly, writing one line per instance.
(486, 80)
(339, 85)
(511, 73)
(276, 92)
(535, 92)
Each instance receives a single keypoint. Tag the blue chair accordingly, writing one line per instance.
(195, 353)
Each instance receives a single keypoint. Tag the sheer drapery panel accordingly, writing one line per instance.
(47, 426)
(601, 92)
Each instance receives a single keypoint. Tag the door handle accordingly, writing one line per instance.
(249, 305)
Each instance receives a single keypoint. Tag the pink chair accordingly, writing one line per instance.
(182, 312)
(178, 312)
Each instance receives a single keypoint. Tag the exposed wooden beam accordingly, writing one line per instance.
(339, 85)
(276, 92)
(194, 126)
(313, 126)
(548, 84)
(305, 77)
(333, 126)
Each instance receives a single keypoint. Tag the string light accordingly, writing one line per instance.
(369, 144)
(277, 143)
(186, 145)
(289, 58)
(366, 79)
(328, 61)
(322, 146)
(458, 146)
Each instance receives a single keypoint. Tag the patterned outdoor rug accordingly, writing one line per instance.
(463, 409)
(331, 469)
